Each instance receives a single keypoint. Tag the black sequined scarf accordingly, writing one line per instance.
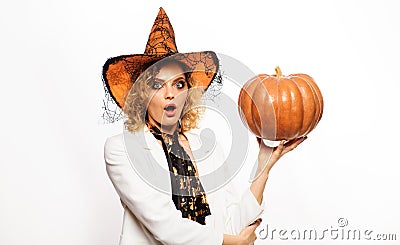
(187, 192)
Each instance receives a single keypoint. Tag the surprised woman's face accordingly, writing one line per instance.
(167, 98)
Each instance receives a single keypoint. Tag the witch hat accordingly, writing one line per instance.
(121, 72)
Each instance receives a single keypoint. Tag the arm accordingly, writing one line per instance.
(240, 209)
(267, 158)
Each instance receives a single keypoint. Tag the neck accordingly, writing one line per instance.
(168, 129)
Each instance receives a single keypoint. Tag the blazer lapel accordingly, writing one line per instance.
(153, 147)
(148, 159)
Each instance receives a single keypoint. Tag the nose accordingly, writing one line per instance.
(168, 91)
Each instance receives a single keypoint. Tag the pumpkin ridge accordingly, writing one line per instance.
(254, 107)
(276, 109)
(246, 101)
(259, 104)
(300, 109)
(318, 101)
(309, 122)
(292, 117)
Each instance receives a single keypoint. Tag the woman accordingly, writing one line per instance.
(175, 206)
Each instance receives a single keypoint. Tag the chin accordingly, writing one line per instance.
(169, 121)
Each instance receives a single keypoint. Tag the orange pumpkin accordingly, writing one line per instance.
(280, 107)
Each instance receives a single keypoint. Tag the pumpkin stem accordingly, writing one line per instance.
(278, 72)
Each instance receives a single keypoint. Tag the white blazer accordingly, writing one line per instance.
(138, 169)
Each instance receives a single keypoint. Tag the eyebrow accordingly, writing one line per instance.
(175, 79)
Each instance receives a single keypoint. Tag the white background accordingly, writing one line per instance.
(53, 184)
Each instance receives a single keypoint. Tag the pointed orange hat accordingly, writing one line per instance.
(119, 73)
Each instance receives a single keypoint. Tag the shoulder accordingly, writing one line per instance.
(197, 136)
(202, 136)
(205, 143)
(134, 141)
(118, 141)
(115, 141)
(114, 146)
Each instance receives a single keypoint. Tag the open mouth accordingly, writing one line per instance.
(170, 110)
(170, 107)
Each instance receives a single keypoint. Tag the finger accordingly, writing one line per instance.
(259, 220)
(280, 147)
(253, 228)
(256, 223)
(293, 144)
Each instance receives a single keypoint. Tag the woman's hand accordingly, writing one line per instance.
(246, 236)
(270, 155)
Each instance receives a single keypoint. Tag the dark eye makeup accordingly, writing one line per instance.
(180, 84)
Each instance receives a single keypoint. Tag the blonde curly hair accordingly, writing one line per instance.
(138, 98)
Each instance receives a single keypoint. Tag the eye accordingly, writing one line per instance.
(180, 84)
(156, 85)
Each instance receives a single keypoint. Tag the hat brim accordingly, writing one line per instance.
(119, 73)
